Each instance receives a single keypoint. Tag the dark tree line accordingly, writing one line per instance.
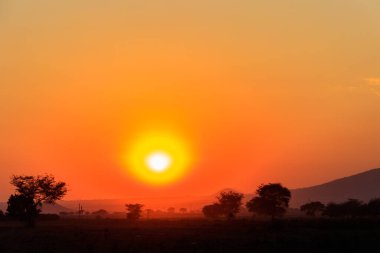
(349, 209)
(313, 208)
(32, 192)
(271, 200)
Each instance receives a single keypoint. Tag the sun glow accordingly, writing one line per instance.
(158, 158)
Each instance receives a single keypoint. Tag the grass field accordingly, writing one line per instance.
(192, 235)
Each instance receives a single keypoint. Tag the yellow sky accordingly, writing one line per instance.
(263, 91)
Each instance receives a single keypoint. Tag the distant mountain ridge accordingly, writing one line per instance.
(363, 186)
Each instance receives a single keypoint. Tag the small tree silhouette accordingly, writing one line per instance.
(134, 211)
(313, 208)
(228, 205)
(271, 199)
(31, 193)
(333, 210)
(183, 210)
(230, 202)
(353, 207)
(349, 208)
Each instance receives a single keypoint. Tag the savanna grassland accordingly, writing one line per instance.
(192, 235)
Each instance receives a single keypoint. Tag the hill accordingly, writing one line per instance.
(363, 186)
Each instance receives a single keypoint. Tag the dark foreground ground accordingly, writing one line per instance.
(296, 235)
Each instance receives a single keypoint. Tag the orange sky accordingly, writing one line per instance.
(262, 91)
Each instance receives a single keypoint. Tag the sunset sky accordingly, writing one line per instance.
(255, 91)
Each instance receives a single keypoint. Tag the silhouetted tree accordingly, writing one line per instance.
(373, 207)
(31, 193)
(228, 205)
(271, 199)
(212, 211)
(313, 208)
(353, 207)
(230, 202)
(333, 210)
(350, 208)
(22, 208)
(2, 215)
(171, 210)
(183, 210)
(134, 211)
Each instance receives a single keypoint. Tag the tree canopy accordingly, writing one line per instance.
(134, 211)
(228, 205)
(349, 208)
(230, 202)
(271, 199)
(42, 189)
(31, 192)
(313, 208)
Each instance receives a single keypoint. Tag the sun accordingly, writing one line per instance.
(158, 161)
(158, 158)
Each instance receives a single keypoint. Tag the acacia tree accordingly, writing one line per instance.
(228, 205)
(312, 208)
(134, 211)
(271, 199)
(31, 192)
(230, 202)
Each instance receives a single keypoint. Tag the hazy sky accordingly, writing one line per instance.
(262, 91)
